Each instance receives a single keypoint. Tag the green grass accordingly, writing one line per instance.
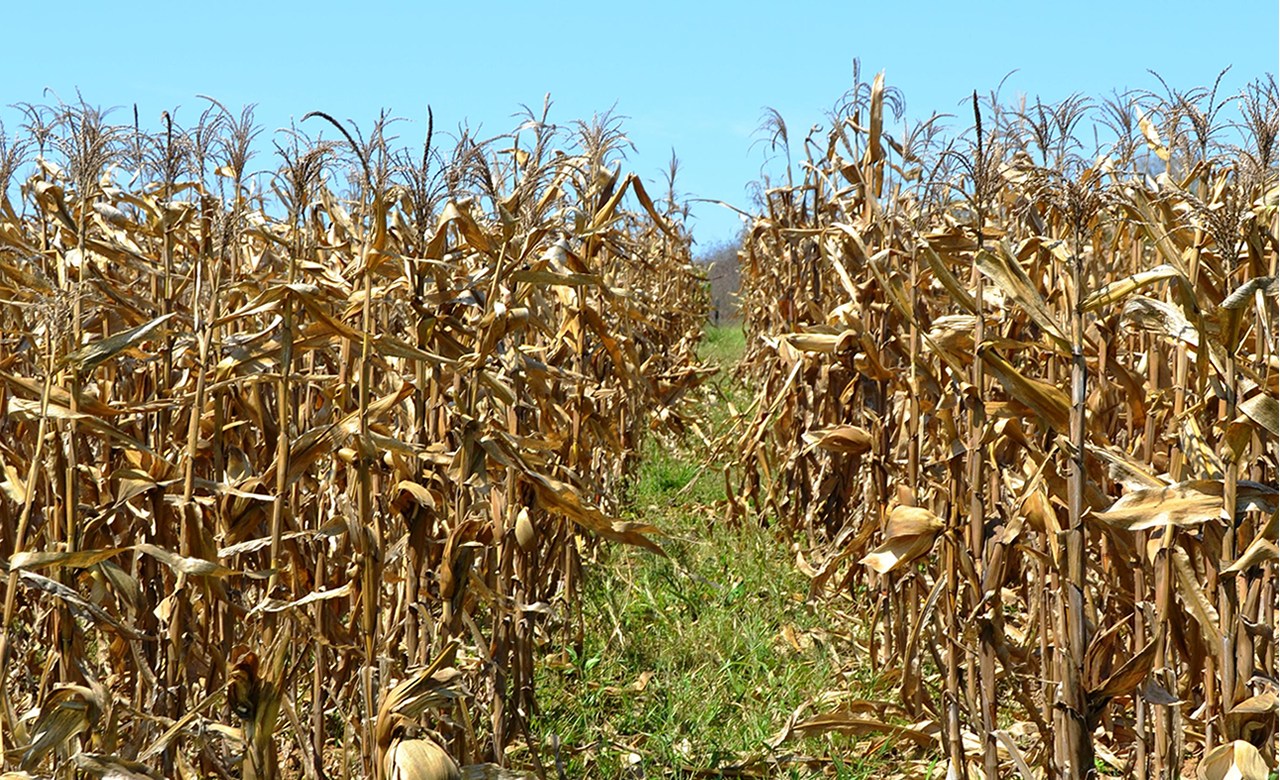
(723, 344)
(691, 662)
(705, 627)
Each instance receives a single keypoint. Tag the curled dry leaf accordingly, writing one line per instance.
(1243, 295)
(1236, 760)
(843, 439)
(1131, 673)
(1159, 317)
(1264, 410)
(419, 759)
(1153, 692)
(858, 721)
(1046, 400)
(89, 357)
(1004, 269)
(65, 712)
(1197, 599)
(113, 767)
(1259, 552)
(1261, 704)
(422, 758)
(824, 343)
(1120, 289)
(909, 534)
(1185, 504)
(1152, 135)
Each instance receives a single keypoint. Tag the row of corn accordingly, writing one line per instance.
(299, 467)
(1016, 397)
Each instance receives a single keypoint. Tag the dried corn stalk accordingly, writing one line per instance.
(264, 456)
(1068, 362)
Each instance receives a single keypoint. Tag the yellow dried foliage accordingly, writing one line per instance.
(273, 442)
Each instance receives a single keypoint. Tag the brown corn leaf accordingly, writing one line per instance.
(844, 439)
(59, 395)
(1197, 599)
(856, 724)
(1236, 760)
(75, 601)
(1155, 693)
(562, 499)
(959, 293)
(458, 214)
(1050, 403)
(875, 152)
(1015, 754)
(1151, 134)
(824, 343)
(1237, 439)
(646, 203)
(1202, 461)
(1180, 505)
(132, 483)
(1261, 704)
(1099, 656)
(195, 567)
(909, 533)
(270, 605)
(65, 713)
(1124, 469)
(1122, 288)
(90, 356)
(31, 410)
(1264, 410)
(1243, 295)
(1005, 270)
(81, 559)
(411, 696)
(163, 742)
(1131, 673)
(552, 278)
(1185, 504)
(608, 211)
(113, 767)
(419, 759)
(14, 486)
(1260, 552)
(1152, 316)
(420, 494)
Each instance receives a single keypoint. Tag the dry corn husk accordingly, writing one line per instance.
(909, 534)
(419, 759)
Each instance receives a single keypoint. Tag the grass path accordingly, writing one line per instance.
(692, 663)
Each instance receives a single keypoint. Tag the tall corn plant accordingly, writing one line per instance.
(1095, 474)
(372, 391)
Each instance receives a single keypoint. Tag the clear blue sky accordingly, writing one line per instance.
(691, 75)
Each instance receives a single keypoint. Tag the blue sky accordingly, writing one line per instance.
(690, 76)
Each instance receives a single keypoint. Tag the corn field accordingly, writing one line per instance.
(1017, 397)
(301, 469)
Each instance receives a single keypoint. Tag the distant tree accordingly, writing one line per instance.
(721, 264)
